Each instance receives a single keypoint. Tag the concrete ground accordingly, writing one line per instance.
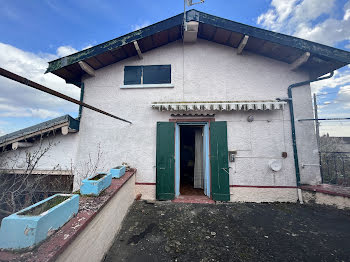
(165, 231)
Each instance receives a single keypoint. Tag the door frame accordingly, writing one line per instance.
(206, 154)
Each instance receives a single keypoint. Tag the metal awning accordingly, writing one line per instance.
(219, 106)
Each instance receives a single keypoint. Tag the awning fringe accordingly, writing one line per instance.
(227, 106)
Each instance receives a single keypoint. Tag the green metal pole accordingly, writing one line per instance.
(82, 86)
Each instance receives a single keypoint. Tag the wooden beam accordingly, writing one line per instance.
(16, 145)
(300, 61)
(86, 68)
(242, 44)
(138, 50)
(191, 32)
(64, 130)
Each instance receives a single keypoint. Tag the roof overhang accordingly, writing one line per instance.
(219, 106)
(25, 137)
(321, 59)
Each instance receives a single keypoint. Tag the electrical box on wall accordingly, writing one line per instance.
(232, 155)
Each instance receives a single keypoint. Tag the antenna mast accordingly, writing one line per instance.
(189, 3)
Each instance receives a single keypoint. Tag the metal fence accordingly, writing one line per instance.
(335, 168)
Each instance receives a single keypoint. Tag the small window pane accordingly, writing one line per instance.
(132, 75)
(157, 74)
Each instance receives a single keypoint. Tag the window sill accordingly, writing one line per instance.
(148, 86)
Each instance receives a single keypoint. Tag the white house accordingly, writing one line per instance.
(209, 106)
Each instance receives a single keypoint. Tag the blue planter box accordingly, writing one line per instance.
(31, 225)
(117, 172)
(95, 184)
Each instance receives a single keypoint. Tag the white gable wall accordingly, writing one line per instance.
(203, 71)
(61, 153)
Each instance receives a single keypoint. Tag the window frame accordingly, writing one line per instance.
(139, 70)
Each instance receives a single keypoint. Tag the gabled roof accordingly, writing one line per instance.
(30, 133)
(278, 46)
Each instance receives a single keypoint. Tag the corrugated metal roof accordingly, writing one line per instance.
(27, 132)
(278, 46)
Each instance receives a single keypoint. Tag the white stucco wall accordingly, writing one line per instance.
(62, 152)
(203, 71)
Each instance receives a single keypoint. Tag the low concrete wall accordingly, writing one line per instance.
(93, 243)
(326, 199)
(148, 192)
(258, 195)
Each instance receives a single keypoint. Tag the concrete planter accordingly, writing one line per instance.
(117, 172)
(31, 225)
(95, 184)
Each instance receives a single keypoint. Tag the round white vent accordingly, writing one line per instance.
(275, 165)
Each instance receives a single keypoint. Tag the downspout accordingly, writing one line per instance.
(291, 112)
(81, 99)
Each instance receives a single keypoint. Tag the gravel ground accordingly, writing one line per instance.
(165, 231)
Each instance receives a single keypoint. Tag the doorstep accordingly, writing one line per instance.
(193, 199)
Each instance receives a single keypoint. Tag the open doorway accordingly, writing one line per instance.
(191, 160)
(192, 172)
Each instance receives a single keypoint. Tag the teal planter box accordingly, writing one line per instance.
(31, 225)
(95, 184)
(117, 172)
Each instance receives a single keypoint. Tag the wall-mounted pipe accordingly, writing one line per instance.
(82, 87)
(291, 112)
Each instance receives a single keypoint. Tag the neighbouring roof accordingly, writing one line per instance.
(30, 133)
(278, 46)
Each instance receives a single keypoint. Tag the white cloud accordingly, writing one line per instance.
(7, 110)
(339, 129)
(277, 15)
(327, 23)
(139, 26)
(339, 79)
(65, 50)
(17, 100)
(298, 18)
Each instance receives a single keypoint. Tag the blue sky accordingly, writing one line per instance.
(35, 32)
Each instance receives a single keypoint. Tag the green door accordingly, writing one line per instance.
(165, 163)
(219, 161)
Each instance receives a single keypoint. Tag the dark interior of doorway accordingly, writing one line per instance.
(187, 161)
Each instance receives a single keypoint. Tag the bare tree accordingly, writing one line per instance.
(19, 190)
(89, 167)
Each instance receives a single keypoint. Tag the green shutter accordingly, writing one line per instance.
(132, 75)
(165, 162)
(157, 74)
(219, 161)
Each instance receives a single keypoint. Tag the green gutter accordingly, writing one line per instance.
(291, 112)
(82, 87)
